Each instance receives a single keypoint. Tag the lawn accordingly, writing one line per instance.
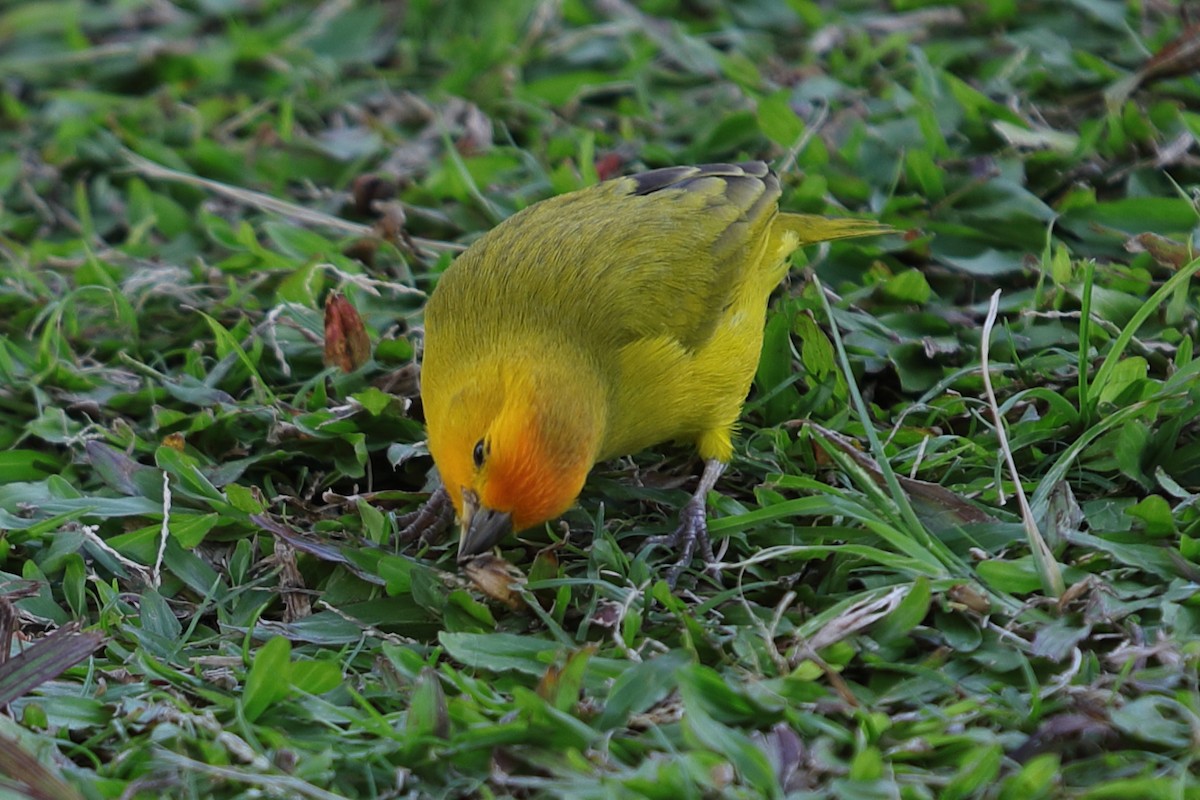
(960, 534)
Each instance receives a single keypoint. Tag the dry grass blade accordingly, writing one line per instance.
(8, 615)
(938, 499)
(44, 660)
(266, 202)
(272, 785)
(312, 547)
(857, 617)
(24, 774)
(1051, 575)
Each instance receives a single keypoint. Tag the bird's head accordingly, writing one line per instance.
(513, 450)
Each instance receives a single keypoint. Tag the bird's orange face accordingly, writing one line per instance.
(510, 458)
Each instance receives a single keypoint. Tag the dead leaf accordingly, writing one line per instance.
(497, 579)
(1165, 251)
(347, 345)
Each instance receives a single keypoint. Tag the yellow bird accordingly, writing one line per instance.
(597, 324)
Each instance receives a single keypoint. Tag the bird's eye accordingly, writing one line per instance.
(479, 453)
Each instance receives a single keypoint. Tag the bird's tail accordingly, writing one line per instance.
(810, 228)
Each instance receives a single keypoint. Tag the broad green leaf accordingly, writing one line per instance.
(1154, 719)
(500, 652)
(266, 682)
(778, 121)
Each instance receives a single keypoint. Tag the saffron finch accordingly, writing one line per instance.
(596, 324)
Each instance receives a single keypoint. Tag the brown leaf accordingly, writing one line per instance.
(497, 579)
(608, 613)
(475, 128)
(1167, 252)
(854, 618)
(666, 712)
(1180, 56)
(968, 596)
(347, 345)
(362, 250)
(403, 381)
(392, 227)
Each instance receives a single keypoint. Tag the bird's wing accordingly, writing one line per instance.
(656, 255)
(667, 249)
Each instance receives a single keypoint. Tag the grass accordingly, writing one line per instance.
(202, 594)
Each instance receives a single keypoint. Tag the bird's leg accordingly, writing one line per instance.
(429, 521)
(692, 532)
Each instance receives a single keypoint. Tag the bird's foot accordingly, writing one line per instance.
(690, 536)
(428, 522)
(692, 533)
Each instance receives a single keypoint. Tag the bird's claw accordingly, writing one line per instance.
(692, 532)
(690, 536)
(429, 521)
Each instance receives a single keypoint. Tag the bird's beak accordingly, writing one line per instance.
(482, 528)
